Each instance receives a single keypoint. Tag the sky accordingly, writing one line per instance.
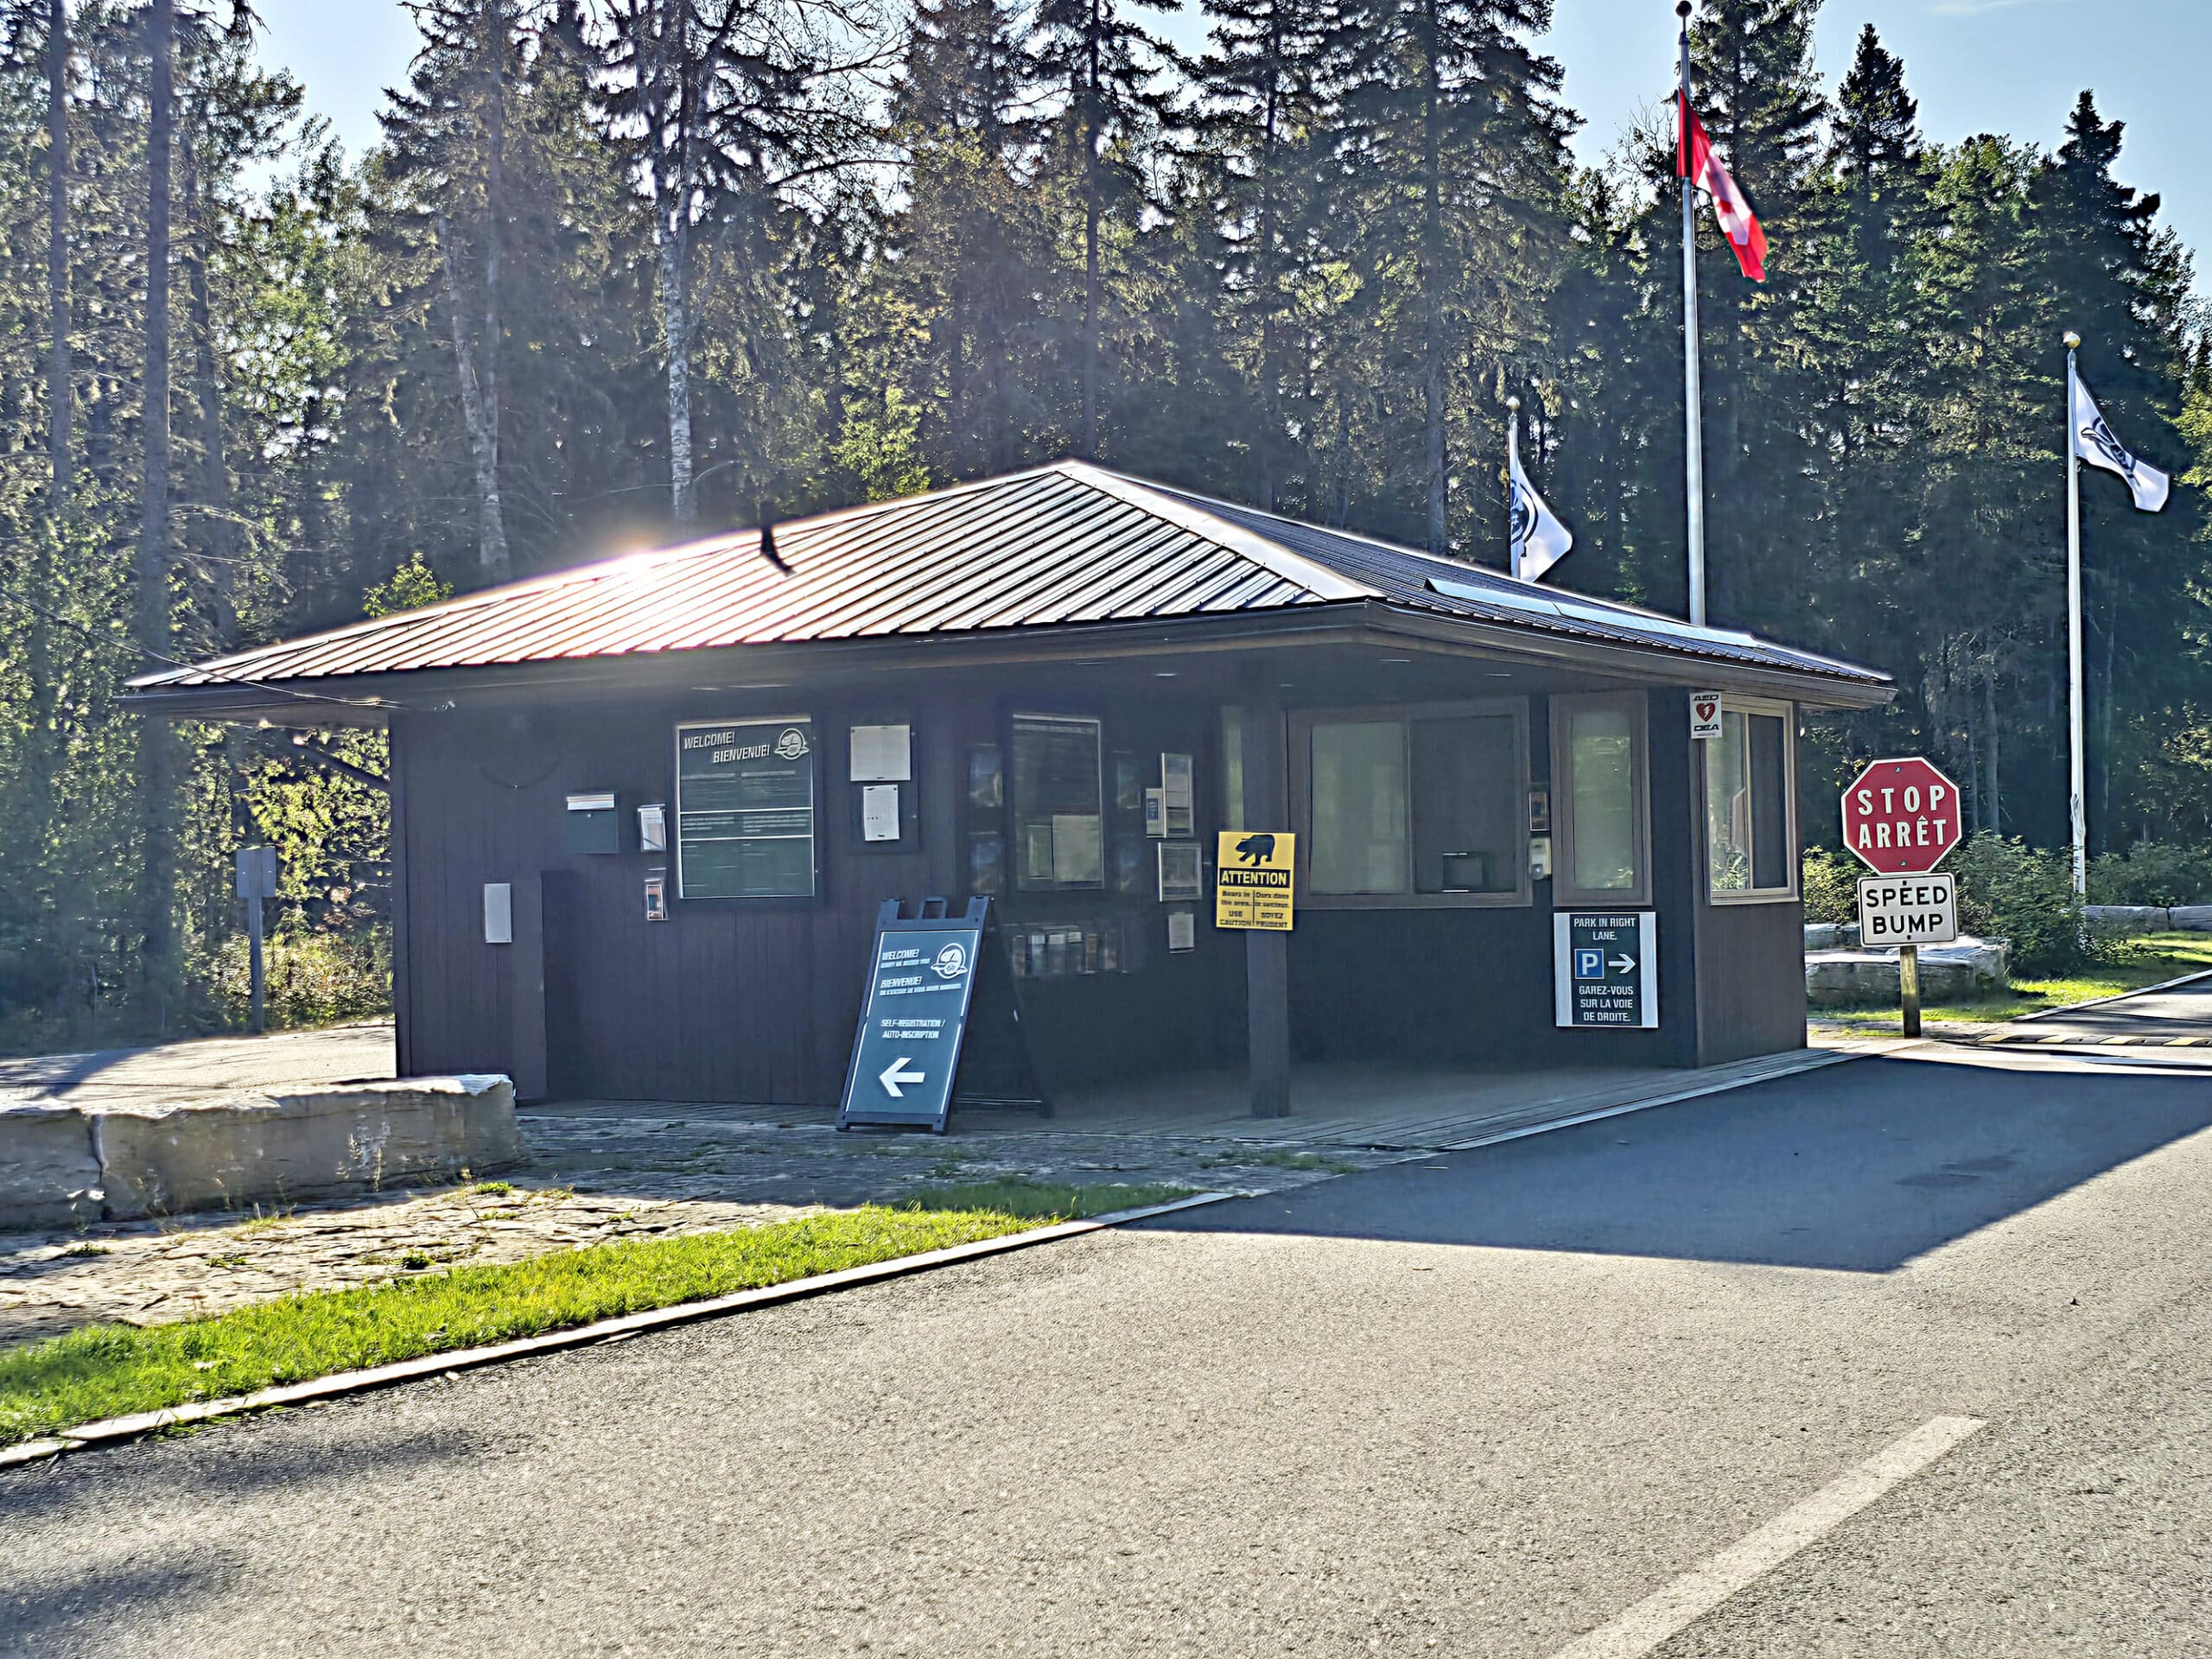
(1976, 65)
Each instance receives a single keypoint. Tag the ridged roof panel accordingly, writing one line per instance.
(1064, 544)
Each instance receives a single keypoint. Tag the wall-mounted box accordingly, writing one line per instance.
(498, 913)
(591, 825)
(652, 827)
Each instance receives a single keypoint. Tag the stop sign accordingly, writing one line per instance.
(1901, 817)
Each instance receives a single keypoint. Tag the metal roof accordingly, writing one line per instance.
(1060, 545)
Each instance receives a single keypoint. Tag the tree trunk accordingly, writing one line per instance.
(1090, 218)
(212, 538)
(58, 413)
(157, 739)
(492, 551)
(1270, 420)
(1432, 279)
(483, 432)
(1996, 814)
(676, 321)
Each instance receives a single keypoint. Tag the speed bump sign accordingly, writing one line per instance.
(1252, 880)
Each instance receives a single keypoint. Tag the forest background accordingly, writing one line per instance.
(625, 270)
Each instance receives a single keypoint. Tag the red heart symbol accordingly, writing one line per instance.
(1705, 711)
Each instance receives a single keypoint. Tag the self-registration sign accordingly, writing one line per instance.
(908, 1049)
(1252, 879)
(1908, 909)
(1901, 817)
(1605, 968)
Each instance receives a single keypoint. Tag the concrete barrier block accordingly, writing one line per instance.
(244, 1148)
(2192, 918)
(2109, 919)
(1948, 973)
(49, 1174)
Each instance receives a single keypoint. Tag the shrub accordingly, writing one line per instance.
(1831, 886)
(2008, 890)
(316, 976)
(2155, 873)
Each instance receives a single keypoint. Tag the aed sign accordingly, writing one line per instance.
(1901, 817)
(1705, 715)
(1605, 968)
(916, 1013)
(1253, 880)
(1908, 909)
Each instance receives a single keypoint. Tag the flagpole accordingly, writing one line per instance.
(2076, 804)
(1512, 461)
(1693, 422)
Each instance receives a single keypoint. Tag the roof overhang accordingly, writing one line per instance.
(371, 700)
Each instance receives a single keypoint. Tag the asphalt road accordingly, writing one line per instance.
(2183, 1013)
(1475, 1404)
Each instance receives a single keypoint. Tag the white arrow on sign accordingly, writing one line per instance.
(895, 1074)
(1623, 964)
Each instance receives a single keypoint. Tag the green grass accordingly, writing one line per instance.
(1275, 1157)
(108, 1370)
(2147, 960)
(1042, 1200)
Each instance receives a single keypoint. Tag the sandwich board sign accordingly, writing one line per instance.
(1253, 879)
(935, 997)
(921, 982)
(1908, 910)
(1605, 969)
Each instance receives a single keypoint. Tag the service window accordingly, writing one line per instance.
(1599, 797)
(1412, 807)
(1059, 808)
(744, 818)
(1750, 792)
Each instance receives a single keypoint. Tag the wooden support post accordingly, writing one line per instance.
(1267, 953)
(1908, 987)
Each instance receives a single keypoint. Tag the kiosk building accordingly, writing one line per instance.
(645, 812)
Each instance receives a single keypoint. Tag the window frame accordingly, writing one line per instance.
(1792, 852)
(1565, 894)
(1403, 714)
(1016, 886)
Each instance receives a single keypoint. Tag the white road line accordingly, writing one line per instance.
(1701, 1589)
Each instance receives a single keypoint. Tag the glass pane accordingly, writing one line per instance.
(1059, 829)
(1728, 806)
(1769, 738)
(1467, 805)
(1601, 746)
(1359, 807)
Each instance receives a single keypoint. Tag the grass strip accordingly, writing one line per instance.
(109, 1371)
(2149, 959)
(1042, 1200)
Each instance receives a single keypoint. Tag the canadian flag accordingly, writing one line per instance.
(1695, 161)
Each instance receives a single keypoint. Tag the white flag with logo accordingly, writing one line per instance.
(2094, 443)
(1539, 540)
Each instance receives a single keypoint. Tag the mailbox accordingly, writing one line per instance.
(592, 824)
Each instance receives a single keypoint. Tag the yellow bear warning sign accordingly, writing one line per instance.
(1252, 879)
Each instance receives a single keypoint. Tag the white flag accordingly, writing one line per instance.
(2095, 443)
(1540, 541)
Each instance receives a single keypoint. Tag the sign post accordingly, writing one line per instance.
(257, 882)
(1901, 817)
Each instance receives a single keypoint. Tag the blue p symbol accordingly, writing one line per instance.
(1588, 963)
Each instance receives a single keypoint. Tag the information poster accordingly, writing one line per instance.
(1254, 878)
(745, 811)
(1605, 969)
